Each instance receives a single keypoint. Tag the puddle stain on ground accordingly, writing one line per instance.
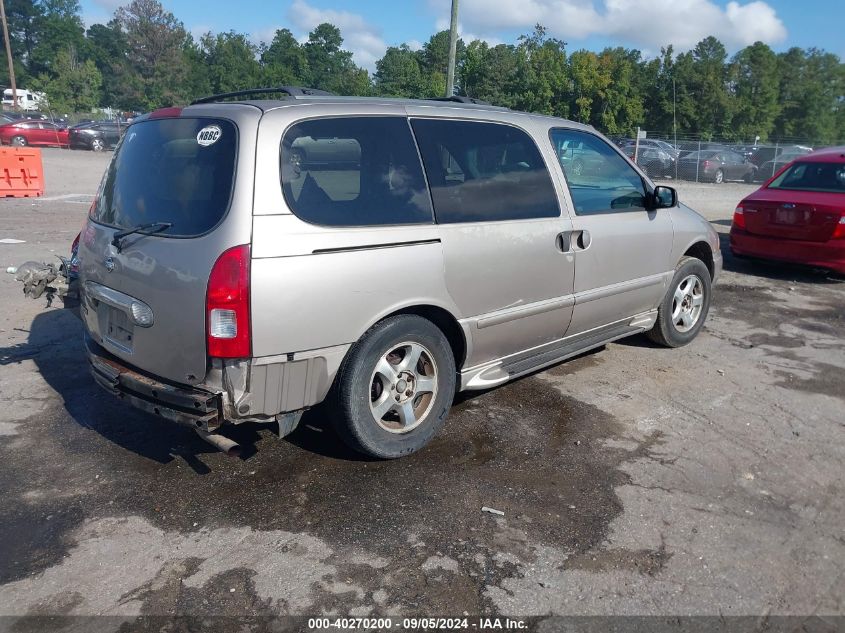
(523, 448)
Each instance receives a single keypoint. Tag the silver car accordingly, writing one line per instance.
(247, 260)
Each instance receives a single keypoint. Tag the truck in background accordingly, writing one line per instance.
(27, 99)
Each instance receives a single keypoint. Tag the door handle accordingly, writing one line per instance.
(570, 241)
(563, 241)
(583, 239)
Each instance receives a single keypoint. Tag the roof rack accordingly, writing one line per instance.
(459, 99)
(293, 91)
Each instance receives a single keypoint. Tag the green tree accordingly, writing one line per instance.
(756, 91)
(811, 96)
(230, 60)
(704, 105)
(490, 73)
(398, 73)
(542, 76)
(107, 47)
(59, 27)
(433, 59)
(284, 63)
(618, 107)
(156, 72)
(74, 85)
(330, 66)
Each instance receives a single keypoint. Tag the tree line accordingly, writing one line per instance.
(144, 58)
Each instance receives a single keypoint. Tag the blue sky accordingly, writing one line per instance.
(369, 26)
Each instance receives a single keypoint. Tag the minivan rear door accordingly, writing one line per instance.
(191, 171)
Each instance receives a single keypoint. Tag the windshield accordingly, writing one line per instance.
(179, 171)
(824, 177)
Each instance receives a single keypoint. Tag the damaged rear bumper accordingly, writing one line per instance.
(189, 406)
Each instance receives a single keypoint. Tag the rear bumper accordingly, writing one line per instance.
(830, 255)
(184, 405)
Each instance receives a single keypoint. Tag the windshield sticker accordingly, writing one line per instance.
(209, 135)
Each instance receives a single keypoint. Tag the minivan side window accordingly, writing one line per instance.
(483, 172)
(354, 171)
(599, 179)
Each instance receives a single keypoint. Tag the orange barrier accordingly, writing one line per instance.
(21, 173)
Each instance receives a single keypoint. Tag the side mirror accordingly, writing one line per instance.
(664, 197)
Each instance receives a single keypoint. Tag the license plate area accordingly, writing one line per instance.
(117, 328)
(788, 216)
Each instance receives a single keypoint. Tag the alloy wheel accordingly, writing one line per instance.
(403, 387)
(687, 303)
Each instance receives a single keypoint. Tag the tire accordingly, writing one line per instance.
(719, 178)
(98, 145)
(673, 328)
(19, 141)
(375, 377)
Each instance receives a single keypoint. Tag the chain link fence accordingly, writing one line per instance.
(695, 159)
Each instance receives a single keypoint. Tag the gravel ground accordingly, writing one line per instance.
(708, 480)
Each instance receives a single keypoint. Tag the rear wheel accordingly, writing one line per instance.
(683, 310)
(19, 141)
(719, 178)
(394, 389)
(98, 145)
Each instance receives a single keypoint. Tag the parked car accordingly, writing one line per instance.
(96, 136)
(715, 166)
(769, 168)
(687, 147)
(654, 143)
(28, 132)
(226, 280)
(798, 216)
(655, 162)
(767, 153)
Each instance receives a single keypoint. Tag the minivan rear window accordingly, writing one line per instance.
(178, 170)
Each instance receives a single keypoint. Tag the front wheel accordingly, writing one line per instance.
(683, 310)
(719, 178)
(394, 390)
(98, 145)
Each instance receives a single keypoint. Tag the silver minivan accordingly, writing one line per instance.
(247, 260)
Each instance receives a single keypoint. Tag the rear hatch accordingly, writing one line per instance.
(794, 214)
(144, 296)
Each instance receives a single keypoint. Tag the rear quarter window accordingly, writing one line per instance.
(178, 170)
(354, 171)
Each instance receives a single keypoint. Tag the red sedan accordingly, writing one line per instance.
(798, 215)
(31, 132)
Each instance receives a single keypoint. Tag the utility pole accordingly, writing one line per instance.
(453, 50)
(9, 56)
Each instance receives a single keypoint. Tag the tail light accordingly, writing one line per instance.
(839, 231)
(739, 218)
(73, 265)
(227, 305)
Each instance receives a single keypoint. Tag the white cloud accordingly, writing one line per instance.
(648, 23)
(361, 38)
(414, 45)
(264, 35)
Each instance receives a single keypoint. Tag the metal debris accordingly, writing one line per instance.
(492, 511)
